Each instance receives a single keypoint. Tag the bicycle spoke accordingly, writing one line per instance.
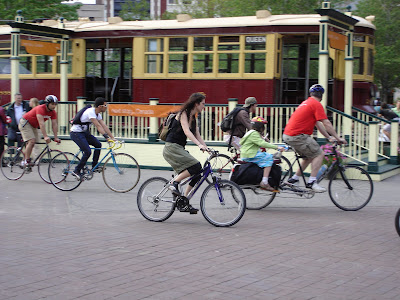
(60, 169)
(44, 162)
(11, 160)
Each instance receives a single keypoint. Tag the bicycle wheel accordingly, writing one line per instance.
(350, 189)
(44, 162)
(286, 167)
(224, 205)
(121, 172)
(155, 202)
(11, 160)
(397, 222)
(60, 169)
(257, 198)
(221, 166)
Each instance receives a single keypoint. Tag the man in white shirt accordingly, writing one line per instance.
(81, 135)
(15, 112)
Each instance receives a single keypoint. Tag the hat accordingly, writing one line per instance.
(249, 101)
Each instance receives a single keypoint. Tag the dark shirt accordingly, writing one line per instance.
(241, 123)
(388, 114)
(177, 135)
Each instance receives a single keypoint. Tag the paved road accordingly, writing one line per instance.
(93, 243)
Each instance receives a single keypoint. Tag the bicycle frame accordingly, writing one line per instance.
(110, 150)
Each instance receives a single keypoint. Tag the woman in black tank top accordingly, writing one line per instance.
(184, 127)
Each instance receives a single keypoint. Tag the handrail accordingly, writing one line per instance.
(113, 88)
(345, 115)
(371, 115)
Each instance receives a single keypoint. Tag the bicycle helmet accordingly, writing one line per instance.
(258, 123)
(259, 119)
(316, 90)
(50, 99)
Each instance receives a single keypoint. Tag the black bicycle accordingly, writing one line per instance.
(350, 187)
(13, 168)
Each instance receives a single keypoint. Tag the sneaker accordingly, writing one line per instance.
(315, 187)
(76, 175)
(174, 188)
(188, 208)
(266, 186)
(293, 181)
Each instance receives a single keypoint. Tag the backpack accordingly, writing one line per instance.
(165, 127)
(77, 118)
(250, 173)
(227, 121)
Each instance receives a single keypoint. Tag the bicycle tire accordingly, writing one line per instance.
(60, 169)
(221, 166)
(257, 198)
(44, 162)
(155, 209)
(223, 214)
(359, 193)
(397, 222)
(11, 160)
(121, 172)
(286, 166)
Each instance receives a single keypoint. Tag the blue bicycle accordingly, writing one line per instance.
(222, 202)
(120, 171)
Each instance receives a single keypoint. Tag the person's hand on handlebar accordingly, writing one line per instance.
(342, 141)
(203, 147)
(57, 140)
(281, 149)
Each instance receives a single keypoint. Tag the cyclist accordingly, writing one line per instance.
(184, 126)
(250, 150)
(34, 119)
(298, 134)
(81, 135)
(241, 123)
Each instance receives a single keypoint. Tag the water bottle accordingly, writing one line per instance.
(322, 171)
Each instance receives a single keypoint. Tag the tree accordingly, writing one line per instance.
(135, 10)
(234, 8)
(33, 9)
(387, 42)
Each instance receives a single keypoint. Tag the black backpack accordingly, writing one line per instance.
(250, 173)
(227, 121)
(77, 118)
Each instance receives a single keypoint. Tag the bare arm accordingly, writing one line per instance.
(102, 127)
(329, 128)
(54, 126)
(189, 134)
(42, 127)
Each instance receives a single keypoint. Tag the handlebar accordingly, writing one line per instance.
(115, 145)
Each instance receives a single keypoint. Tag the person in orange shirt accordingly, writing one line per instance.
(298, 134)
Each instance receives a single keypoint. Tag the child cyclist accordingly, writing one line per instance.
(250, 151)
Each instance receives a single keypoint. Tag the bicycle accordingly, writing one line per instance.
(222, 202)
(350, 187)
(12, 158)
(397, 222)
(120, 171)
(223, 164)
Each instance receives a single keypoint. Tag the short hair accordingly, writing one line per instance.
(17, 94)
(99, 101)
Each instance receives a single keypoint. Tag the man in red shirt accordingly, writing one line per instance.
(298, 134)
(34, 119)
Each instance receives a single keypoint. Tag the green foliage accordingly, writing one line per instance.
(33, 9)
(135, 10)
(234, 8)
(387, 45)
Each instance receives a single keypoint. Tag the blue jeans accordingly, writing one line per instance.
(14, 136)
(84, 140)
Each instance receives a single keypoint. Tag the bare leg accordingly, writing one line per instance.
(29, 147)
(267, 170)
(316, 164)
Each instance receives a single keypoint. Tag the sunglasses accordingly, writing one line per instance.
(104, 105)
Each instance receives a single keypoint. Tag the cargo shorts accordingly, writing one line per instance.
(304, 145)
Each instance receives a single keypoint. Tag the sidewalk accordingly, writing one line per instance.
(92, 243)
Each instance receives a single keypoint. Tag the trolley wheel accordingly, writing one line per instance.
(155, 202)
(60, 169)
(11, 160)
(121, 172)
(350, 188)
(224, 205)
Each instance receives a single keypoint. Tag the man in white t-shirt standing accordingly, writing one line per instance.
(81, 135)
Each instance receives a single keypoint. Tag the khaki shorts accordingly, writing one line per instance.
(27, 131)
(304, 145)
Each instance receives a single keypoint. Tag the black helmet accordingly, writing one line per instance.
(50, 99)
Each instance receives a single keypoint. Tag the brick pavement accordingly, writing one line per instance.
(93, 243)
